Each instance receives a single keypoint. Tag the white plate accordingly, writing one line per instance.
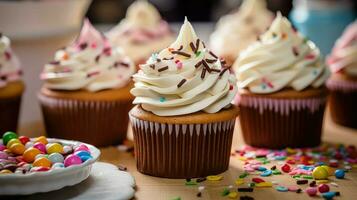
(54, 179)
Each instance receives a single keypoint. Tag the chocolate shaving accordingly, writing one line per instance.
(210, 60)
(180, 48)
(198, 64)
(212, 54)
(181, 53)
(168, 58)
(152, 66)
(203, 74)
(197, 44)
(193, 47)
(206, 66)
(181, 83)
(163, 69)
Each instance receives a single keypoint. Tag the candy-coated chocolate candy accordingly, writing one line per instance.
(67, 149)
(11, 142)
(82, 147)
(41, 139)
(311, 191)
(72, 160)
(82, 153)
(17, 148)
(320, 173)
(323, 188)
(39, 169)
(56, 158)
(42, 162)
(2, 147)
(8, 136)
(281, 188)
(5, 171)
(58, 166)
(30, 154)
(24, 139)
(329, 170)
(340, 174)
(54, 148)
(40, 146)
(3, 155)
(328, 195)
(29, 144)
(40, 156)
(85, 158)
(286, 168)
(268, 172)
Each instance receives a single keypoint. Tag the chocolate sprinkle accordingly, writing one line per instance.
(158, 60)
(180, 48)
(249, 189)
(295, 51)
(199, 180)
(198, 64)
(203, 74)
(210, 60)
(97, 58)
(197, 44)
(193, 47)
(206, 66)
(181, 53)
(215, 70)
(168, 58)
(223, 71)
(152, 66)
(163, 69)
(3, 78)
(83, 46)
(181, 83)
(204, 45)
(54, 62)
(122, 168)
(124, 64)
(212, 54)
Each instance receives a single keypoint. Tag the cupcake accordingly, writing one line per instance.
(183, 121)
(86, 92)
(11, 86)
(343, 81)
(281, 92)
(236, 31)
(142, 32)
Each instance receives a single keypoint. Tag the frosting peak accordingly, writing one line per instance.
(142, 14)
(344, 54)
(282, 58)
(89, 63)
(9, 63)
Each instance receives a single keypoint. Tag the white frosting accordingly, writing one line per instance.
(281, 59)
(172, 84)
(344, 54)
(236, 31)
(9, 63)
(90, 63)
(142, 32)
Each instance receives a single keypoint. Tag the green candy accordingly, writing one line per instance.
(225, 192)
(190, 183)
(276, 172)
(8, 136)
(307, 177)
(243, 175)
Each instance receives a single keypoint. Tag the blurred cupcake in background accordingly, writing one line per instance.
(282, 94)
(236, 31)
(86, 95)
(343, 82)
(11, 86)
(142, 32)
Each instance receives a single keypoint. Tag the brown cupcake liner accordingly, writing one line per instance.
(9, 114)
(281, 123)
(100, 123)
(182, 150)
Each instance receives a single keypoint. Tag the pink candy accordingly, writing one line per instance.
(72, 160)
(40, 146)
(2, 147)
(82, 147)
(311, 191)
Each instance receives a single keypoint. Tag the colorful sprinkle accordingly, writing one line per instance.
(162, 99)
(214, 178)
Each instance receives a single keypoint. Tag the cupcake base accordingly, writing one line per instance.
(186, 146)
(99, 118)
(10, 101)
(285, 119)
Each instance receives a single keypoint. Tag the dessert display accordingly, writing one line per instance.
(142, 32)
(11, 86)
(236, 31)
(343, 82)
(281, 93)
(183, 121)
(86, 95)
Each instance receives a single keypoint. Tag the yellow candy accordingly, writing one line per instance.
(330, 171)
(233, 195)
(242, 158)
(264, 184)
(5, 171)
(54, 148)
(30, 154)
(354, 166)
(290, 150)
(17, 148)
(42, 162)
(214, 178)
(239, 181)
(41, 139)
(12, 141)
(322, 181)
(320, 173)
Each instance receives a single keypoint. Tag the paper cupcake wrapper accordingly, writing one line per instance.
(9, 114)
(343, 107)
(340, 85)
(295, 124)
(100, 123)
(182, 150)
(282, 106)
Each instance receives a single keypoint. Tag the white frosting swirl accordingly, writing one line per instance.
(344, 54)
(236, 31)
(90, 63)
(9, 63)
(142, 32)
(281, 59)
(184, 78)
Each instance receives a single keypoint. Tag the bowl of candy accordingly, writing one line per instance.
(33, 165)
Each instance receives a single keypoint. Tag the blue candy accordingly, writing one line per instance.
(260, 168)
(85, 158)
(340, 174)
(266, 173)
(82, 153)
(328, 195)
(281, 189)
